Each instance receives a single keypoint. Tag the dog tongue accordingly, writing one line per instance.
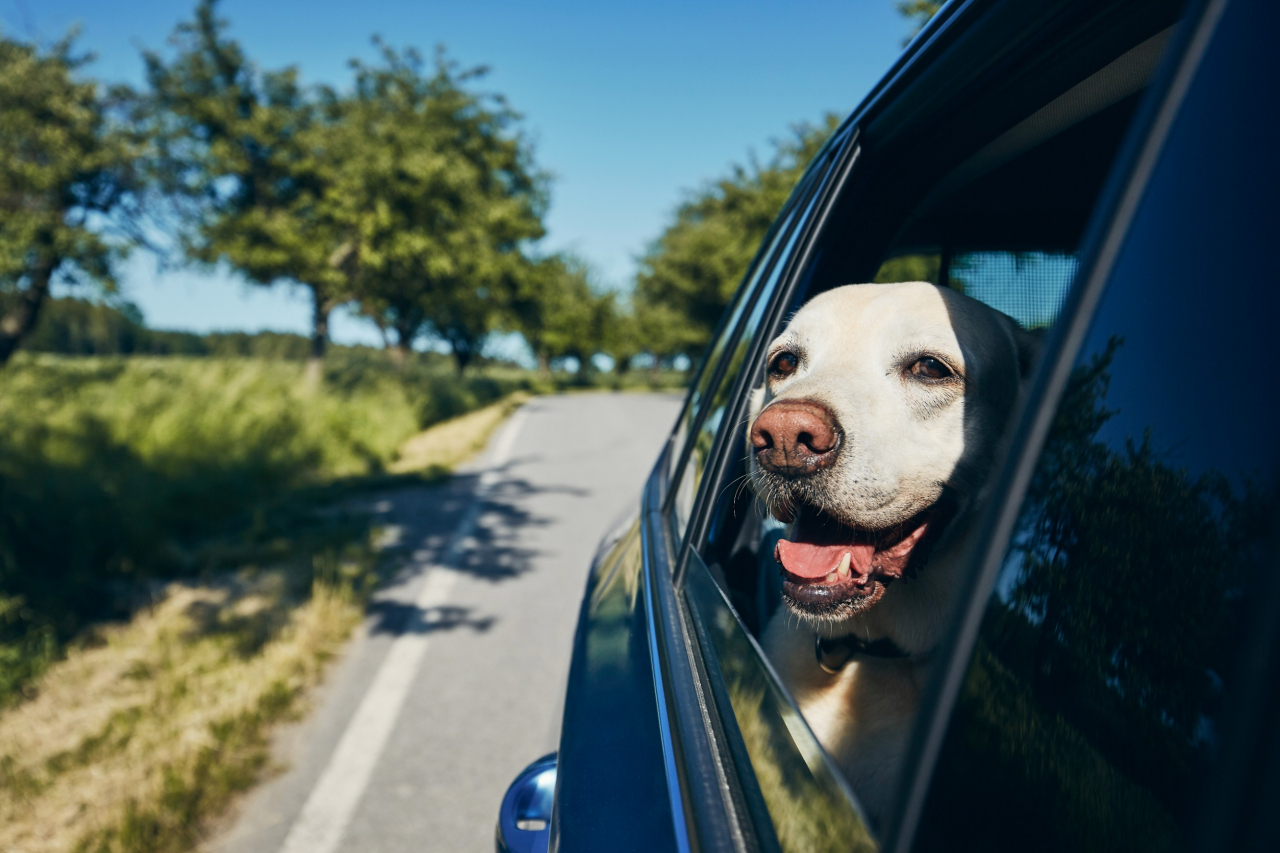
(815, 561)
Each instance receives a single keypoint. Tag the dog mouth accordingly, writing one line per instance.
(833, 568)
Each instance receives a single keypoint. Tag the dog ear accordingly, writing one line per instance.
(1028, 343)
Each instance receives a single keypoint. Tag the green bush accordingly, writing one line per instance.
(116, 471)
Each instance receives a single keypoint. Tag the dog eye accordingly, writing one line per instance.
(783, 365)
(930, 368)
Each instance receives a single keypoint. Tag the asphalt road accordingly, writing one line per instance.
(455, 682)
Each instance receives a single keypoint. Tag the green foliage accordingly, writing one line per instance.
(81, 327)
(241, 151)
(439, 194)
(918, 12)
(689, 274)
(555, 307)
(65, 163)
(116, 471)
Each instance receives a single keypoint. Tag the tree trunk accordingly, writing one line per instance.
(406, 331)
(544, 365)
(319, 335)
(18, 322)
(461, 357)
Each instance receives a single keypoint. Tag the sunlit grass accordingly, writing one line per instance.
(133, 741)
(446, 445)
(147, 729)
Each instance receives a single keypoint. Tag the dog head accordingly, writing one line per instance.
(878, 423)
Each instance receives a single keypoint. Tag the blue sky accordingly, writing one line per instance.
(631, 105)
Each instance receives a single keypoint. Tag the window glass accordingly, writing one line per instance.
(1028, 286)
(809, 807)
(1092, 708)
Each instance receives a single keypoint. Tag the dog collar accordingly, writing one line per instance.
(834, 652)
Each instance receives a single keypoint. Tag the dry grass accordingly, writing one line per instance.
(130, 744)
(444, 446)
(146, 730)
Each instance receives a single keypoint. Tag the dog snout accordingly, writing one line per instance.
(795, 438)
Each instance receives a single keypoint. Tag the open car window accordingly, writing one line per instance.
(990, 200)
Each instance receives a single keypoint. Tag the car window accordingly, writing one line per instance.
(1092, 708)
(710, 371)
(1005, 234)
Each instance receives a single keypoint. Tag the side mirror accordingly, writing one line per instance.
(524, 821)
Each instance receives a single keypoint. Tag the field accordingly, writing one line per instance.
(176, 567)
(178, 560)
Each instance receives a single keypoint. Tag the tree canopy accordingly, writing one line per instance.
(441, 195)
(241, 151)
(689, 274)
(68, 163)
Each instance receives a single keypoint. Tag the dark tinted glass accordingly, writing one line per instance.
(1090, 714)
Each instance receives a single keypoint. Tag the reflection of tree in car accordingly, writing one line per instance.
(1129, 567)
(1088, 708)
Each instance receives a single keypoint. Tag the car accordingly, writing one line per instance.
(1105, 173)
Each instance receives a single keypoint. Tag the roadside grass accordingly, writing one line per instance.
(118, 472)
(438, 450)
(147, 728)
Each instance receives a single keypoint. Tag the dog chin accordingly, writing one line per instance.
(830, 606)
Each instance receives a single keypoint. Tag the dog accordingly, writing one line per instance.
(872, 438)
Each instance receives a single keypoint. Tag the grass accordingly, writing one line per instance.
(176, 568)
(134, 741)
(147, 728)
(117, 472)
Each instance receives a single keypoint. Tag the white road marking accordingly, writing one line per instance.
(324, 817)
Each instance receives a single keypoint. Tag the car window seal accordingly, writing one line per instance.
(705, 819)
(754, 806)
(1109, 223)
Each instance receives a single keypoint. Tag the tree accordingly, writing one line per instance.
(239, 151)
(691, 271)
(441, 195)
(555, 308)
(68, 180)
(918, 12)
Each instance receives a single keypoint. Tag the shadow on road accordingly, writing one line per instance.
(496, 550)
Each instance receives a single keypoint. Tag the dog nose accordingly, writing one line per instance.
(795, 438)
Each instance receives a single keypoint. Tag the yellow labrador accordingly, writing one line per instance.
(872, 439)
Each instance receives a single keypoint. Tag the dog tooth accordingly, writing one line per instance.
(843, 568)
(831, 578)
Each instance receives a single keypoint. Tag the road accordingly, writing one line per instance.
(455, 681)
